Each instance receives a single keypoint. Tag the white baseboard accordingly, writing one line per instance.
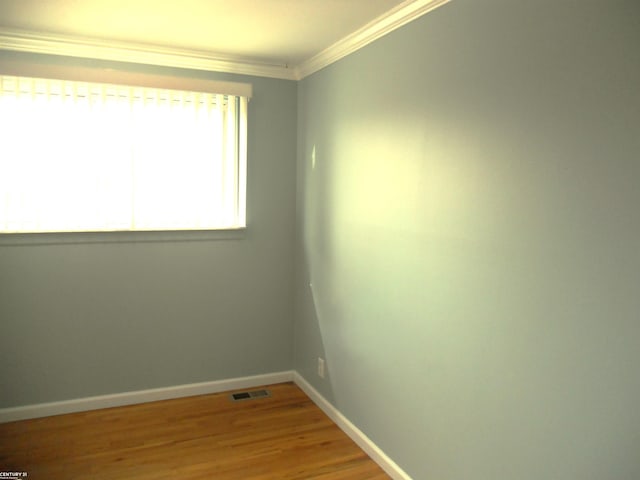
(141, 396)
(364, 442)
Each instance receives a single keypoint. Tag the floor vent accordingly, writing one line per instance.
(239, 396)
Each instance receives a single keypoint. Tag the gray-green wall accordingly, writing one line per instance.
(468, 250)
(466, 259)
(87, 319)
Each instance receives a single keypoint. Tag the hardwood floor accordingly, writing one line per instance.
(285, 436)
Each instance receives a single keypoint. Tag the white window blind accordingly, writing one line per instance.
(80, 156)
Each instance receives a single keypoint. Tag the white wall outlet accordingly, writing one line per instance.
(321, 369)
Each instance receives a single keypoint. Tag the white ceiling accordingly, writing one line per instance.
(269, 32)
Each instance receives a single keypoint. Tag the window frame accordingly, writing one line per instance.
(160, 81)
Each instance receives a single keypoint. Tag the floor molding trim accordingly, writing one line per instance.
(364, 442)
(141, 396)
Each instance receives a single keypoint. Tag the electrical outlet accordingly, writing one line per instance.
(321, 369)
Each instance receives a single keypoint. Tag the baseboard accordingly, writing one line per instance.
(140, 396)
(364, 442)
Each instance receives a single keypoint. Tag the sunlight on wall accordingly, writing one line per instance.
(404, 179)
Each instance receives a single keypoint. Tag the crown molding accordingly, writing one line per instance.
(71, 46)
(52, 44)
(386, 23)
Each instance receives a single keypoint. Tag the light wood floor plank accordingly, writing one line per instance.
(284, 437)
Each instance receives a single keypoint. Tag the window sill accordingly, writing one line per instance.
(64, 238)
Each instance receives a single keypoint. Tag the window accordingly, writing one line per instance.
(78, 156)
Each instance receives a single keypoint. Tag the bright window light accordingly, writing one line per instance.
(82, 157)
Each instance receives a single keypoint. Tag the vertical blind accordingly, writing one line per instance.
(79, 156)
